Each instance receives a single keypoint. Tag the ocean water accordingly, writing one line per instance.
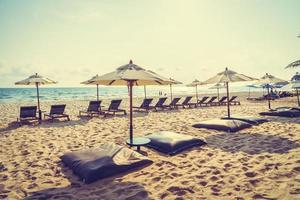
(89, 93)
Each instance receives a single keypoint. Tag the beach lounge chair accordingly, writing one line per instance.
(222, 101)
(113, 108)
(27, 114)
(172, 103)
(210, 102)
(186, 103)
(159, 104)
(145, 106)
(94, 108)
(56, 112)
(104, 161)
(233, 101)
(202, 101)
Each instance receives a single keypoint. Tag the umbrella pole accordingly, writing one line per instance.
(218, 94)
(298, 96)
(228, 106)
(171, 92)
(268, 96)
(130, 113)
(197, 93)
(97, 92)
(38, 101)
(145, 92)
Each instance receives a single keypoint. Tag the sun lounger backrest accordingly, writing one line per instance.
(146, 103)
(94, 106)
(57, 109)
(212, 99)
(175, 101)
(114, 104)
(187, 100)
(28, 111)
(232, 98)
(161, 101)
(203, 99)
(223, 99)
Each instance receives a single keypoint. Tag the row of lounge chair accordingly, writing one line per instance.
(29, 113)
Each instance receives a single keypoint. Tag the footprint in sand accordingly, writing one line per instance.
(250, 174)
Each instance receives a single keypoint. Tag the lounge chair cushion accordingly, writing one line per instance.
(249, 119)
(282, 112)
(172, 143)
(107, 160)
(229, 125)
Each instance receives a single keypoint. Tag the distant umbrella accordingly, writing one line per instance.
(218, 86)
(195, 84)
(92, 82)
(295, 80)
(226, 77)
(269, 81)
(294, 64)
(173, 82)
(36, 80)
(131, 75)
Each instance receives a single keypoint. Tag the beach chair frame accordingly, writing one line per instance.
(113, 108)
(27, 114)
(94, 108)
(57, 112)
(145, 106)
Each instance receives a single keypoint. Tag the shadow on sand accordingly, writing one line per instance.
(251, 143)
(108, 188)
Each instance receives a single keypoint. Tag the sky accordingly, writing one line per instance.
(71, 41)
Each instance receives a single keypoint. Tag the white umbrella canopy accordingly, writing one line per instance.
(269, 81)
(195, 84)
(92, 82)
(226, 77)
(131, 75)
(36, 80)
(294, 64)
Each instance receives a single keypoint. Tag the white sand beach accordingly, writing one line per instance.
(261, 162)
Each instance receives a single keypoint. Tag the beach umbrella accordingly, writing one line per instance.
(295, 80)
(131, 75)
(195, 84)
(170, 80)
(218, 86)
(173, 82)
(227, 77)
(36, 80)
(269, 81)
(92, 82)
(294, 64)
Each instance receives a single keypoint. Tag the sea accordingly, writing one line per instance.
(8, 95)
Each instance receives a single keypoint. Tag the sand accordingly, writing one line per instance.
(262, 162)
